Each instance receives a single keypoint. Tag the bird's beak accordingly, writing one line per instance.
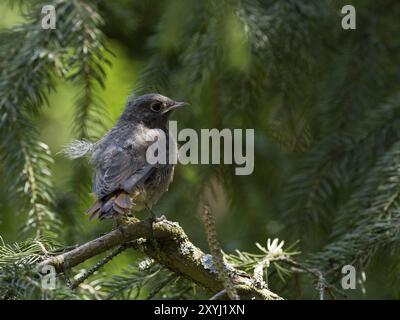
(177, 105)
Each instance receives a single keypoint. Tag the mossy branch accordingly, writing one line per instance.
(174, 251)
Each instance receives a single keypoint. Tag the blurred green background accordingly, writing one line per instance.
(323, 102)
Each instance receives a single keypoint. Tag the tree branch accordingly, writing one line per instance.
(173, 250)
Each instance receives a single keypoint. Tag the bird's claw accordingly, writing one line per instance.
(153, 240)
(121, 229)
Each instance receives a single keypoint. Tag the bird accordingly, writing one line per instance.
(123, 179)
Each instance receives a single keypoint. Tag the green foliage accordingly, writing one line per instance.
(324, 103)
(72, 51)
(18, 279)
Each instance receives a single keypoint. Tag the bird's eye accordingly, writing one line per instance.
(156, 106)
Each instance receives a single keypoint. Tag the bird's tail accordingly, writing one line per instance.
(78, 149)
(111, 206)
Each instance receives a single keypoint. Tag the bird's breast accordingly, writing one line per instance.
(153, 188)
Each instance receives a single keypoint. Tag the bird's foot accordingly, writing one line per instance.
(153, 216)
(153, 220)
(152, 237)
(121, 229)
(116, 223)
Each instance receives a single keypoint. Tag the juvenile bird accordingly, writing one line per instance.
(123, 179)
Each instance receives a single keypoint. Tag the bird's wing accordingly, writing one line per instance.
(118, 169)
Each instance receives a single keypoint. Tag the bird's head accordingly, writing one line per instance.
(152, 109)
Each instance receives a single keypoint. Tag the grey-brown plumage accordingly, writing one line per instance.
(123, 179)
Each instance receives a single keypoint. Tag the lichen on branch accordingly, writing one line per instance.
(174, 251)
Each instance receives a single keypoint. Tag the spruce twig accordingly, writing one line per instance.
(216, 252)
(98, 265)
